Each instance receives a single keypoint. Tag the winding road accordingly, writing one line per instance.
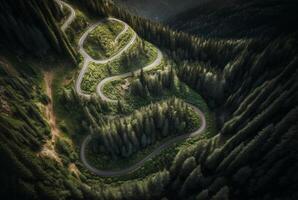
(72, 16)
(87, 59)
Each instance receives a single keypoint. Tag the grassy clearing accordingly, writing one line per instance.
(117, 89)
(101, 43)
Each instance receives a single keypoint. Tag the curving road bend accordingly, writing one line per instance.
(72, 16)
(136, 166)
(101, 84)
(87, 59)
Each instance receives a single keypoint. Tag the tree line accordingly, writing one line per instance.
(136, 55)
(146, 85)
(203, 78)
(122, 137)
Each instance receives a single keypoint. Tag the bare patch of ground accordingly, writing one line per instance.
(48, 149)
(73, 169)
(126, 84)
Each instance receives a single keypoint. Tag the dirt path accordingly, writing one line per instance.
(49, 148)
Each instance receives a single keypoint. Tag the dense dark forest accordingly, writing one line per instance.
(241, 57)
(158, 10)
(153, 85)
(30, 27)
(143, 128)
(23, 132)
(238, 19)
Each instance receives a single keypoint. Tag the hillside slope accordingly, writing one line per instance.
(245, 71)
(29, 27)
(238, 18)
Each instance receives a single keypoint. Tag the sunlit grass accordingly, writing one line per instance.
(101, 42)
(97, 72)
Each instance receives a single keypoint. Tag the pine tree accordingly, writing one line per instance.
(165, 130)
(188, 165)
(192, 182)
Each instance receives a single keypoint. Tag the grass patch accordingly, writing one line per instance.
(116, 89)
(101, 43)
